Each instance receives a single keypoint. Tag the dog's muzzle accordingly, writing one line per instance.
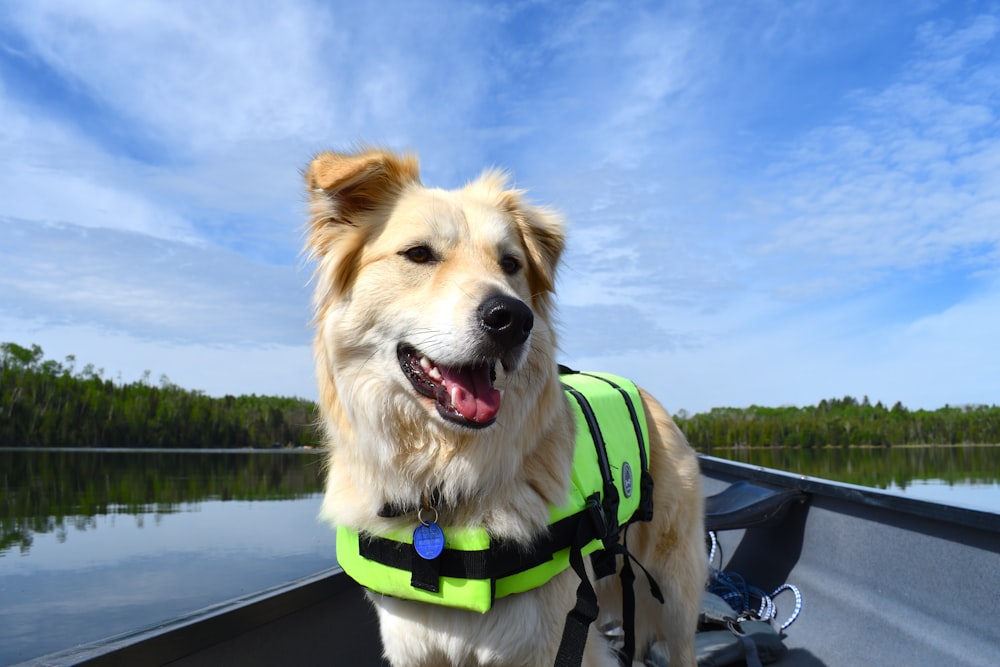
(464, 394)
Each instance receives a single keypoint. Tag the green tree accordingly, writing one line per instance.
(46, 403)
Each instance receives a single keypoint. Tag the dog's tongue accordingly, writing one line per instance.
(470, 390)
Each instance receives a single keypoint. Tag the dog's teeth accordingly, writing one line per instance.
(454, 395)
(431, 370)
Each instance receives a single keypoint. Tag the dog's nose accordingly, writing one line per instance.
(507, 320)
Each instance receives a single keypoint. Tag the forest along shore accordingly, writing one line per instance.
(47, 403)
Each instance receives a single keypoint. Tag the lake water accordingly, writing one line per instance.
(94, 544)
(97, 543)
(961, 475)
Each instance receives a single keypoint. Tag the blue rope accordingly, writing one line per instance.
(749, 602)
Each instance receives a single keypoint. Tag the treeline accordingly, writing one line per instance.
(843, 422)
(47, 403)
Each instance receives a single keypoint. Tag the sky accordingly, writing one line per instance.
(767, 203)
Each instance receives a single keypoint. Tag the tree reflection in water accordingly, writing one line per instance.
(55, 491)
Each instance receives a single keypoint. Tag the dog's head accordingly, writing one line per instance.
(429, 303)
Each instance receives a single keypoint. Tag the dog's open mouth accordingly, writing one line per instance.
(463, 395)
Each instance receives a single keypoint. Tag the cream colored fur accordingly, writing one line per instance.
(388, 444)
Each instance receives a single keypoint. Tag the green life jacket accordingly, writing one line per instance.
(610, 488)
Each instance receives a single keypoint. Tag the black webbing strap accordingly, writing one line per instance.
(604, 563)
(425, 574)
(584, 612)
(502, 559)
(628, 598)
(628, 609)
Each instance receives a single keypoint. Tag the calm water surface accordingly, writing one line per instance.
(962, 475)
(97, 543)
(93, 544)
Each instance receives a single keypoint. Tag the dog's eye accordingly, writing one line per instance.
(510, 264)
(419, 254)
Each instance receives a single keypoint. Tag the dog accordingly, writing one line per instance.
(435, 356)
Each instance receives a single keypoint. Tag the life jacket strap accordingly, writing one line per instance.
(583, 613)
(502, 559)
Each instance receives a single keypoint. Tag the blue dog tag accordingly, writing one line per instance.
(428, 540)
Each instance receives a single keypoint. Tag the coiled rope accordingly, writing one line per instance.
(748, 601)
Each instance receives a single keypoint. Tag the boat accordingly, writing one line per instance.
(882, 580)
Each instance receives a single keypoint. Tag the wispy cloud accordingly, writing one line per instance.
(903, 180)
(756, 194)
(183, 78)
(152, 289)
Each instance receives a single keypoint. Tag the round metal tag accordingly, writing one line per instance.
(428, 540)
(627, 479)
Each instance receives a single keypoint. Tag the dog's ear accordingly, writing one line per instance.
(542, 233)
(347, 193)
(357, 182)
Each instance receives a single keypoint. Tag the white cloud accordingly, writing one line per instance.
(900, 183)
(148, 288)
(191, 80)
(190, 75)
(50, 172)
(848, 270)
(737, 186)
(53, 194)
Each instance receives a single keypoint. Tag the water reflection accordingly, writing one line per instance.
(56, 491)
(96, 543)
(970, 472)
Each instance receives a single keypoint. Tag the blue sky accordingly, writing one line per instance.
(768, 202)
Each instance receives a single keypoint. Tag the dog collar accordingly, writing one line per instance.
(430, 499)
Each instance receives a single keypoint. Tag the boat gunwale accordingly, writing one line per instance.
(860, 495)
(181, 636)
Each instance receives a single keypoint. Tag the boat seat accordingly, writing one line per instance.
(744, 504)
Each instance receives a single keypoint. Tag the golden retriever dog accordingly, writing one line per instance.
(436, 361)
